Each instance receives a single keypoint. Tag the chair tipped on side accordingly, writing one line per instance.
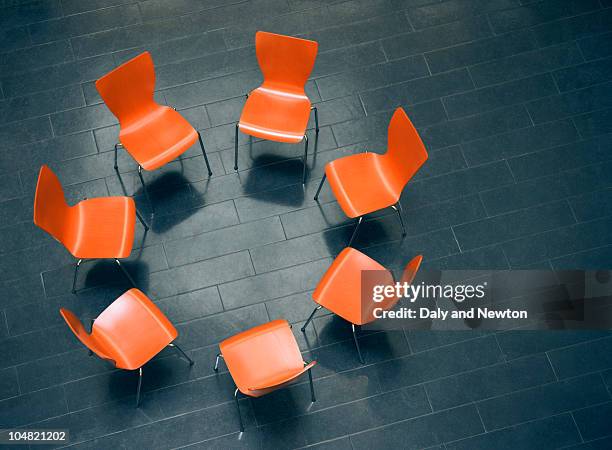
(263, 359)
(151, 133)
(368, 182)
(279, 109)
(128, 333)
(97, 228)
(341, 290)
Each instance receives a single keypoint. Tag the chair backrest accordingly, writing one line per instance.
(285, 61)
(408, 275)
(79, 331)
(51, 212)
(405, 150)
(411, 269)
(128, 89)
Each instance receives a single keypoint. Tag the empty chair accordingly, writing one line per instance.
(97, 228)
(153, 134)
(279, 109)
(340, 290)
(128, 333)
(367, 182)
(263, 359)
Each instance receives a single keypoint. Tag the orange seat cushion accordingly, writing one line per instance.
(132, 330)
(263, 358)
(275, 115)
(360, 183)
(158, 137)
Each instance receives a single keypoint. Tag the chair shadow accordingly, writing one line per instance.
(106, 272)
(172, 200)
(270, 172)
(370, 232)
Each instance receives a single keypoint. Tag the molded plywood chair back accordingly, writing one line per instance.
(279, 109)
(51, 212)
(406, 152)
(128, 89)
(285, 62)
(129, 332)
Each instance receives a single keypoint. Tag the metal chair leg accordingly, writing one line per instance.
(139, 386)
(316, 197)
(357, 343)
(236, 149)
(74, 279)
(216, 368)
(238, 407)
(312, 392)
(144, 188)
(310, 318)
(355, 231)
(91, 324)
(142, 221)
(305, 159)
(399, 214)
(204, 153)
(117, 145)
(316, 111)
(180, 350)
(125, 272)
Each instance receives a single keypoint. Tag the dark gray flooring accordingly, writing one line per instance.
(512, 98)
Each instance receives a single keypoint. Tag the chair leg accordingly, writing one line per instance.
(305, 159)
(180, 350)
(116, 146)
(216, 368)
(316, 197)
(399, 214)
(204, 153)
(139, 386)
(310, 318)
(238, 408)
(91, 324)
(142, 221)
(312, 392)
(144, 188)
(76, 271)
(125, 272)
(316, 111)
(357, 344)
(355, 231)
(236, 149)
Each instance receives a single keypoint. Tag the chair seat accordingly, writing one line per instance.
(340, 289)
(275, 115)
(105, 228)
(263, 358)
(360, 184)
(132, 330)
(157, 138)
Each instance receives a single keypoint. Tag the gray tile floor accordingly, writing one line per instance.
(512, 98)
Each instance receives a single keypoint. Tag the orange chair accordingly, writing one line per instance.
(98, 228)
(263, 359)
(129, 333)
(340, 290)
(153, 134)
(279, 109)
(368, 182)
